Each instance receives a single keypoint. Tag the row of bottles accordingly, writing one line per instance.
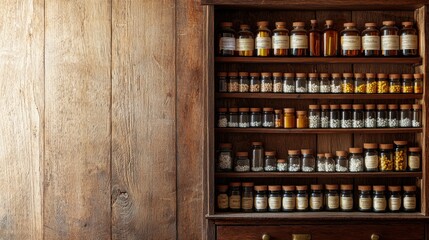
(389, 41)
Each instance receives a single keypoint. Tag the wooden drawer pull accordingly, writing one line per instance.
(375, 237)
(266, 237)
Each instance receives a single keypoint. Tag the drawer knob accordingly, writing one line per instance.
(375, 237)
(266, 237)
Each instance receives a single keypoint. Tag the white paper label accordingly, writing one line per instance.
(380, 204)
(394, 203)
(245, 44)
(371, 162)
(281, 42)
(408, 41)
(414, 162)
(299, 41)
(350, 42)
(289, 203)
(260, 202)
(301, 203)
(409, 202)
(263, 43)
(274, 202)
(316, 202)
(333, 202)
(227, 43)
(390, 42)
(365, 203)
(222, 201)
(346, 203)
(235, 202)
(371, 42)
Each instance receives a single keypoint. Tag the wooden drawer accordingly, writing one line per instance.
(324, 232)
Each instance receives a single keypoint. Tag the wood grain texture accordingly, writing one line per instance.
(143, 120)
(77, 123)
(21, 119)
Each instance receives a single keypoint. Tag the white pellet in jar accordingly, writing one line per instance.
(301, 89)
(314, 121)
(330, 167)
(325, 89)
(340, 168)
(307, 169)
(334, 123)
(288, 88)
(268, 124)
(336, 89)
(313, 88)
(358, 124)
(255, 124)
(222, 123)
(382, 122)
(355, 165)
(406, 122)
(370, 122)
(245, 168)
(415, 123)
(294, 168)
(324, 122)
(346, 123)
(393, 123)
(282, 167)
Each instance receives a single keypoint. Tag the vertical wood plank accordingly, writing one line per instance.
(21, 119)
(77, 129)
(143, 120)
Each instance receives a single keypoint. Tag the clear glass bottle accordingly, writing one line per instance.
(389, 39)
(346, 116)
(371, 40)
(358, 116)
(242, 162)
(267, 117)
(274, 198)
(313, 83)
(408, 43)
(330, 40)
(294, 160)
(289, 82)
(379, 199)
(255, 82)
(314, 36)
(245, 42)
(308, 161)
(360, 83)
(224, 158)
(395, 198)
(226, 39)
(247, 197)
(410, 200)
(257, 157)
(325, 83)
(222, 119)
(341, 162)
(266, 82)
(334, 116)
(385, 157)
(418, 83)
(371, 157)
(346, 197)
(332, 197)
(416, 116)
(400, 156)
(350, 40)
(298, 40)
(234, 197)
(324, 116)
(301, 119)
(243, 118)
(314, 116)
(263, 40)
(321, 162)
(407, 83)
(382, 116)
(393, 115)
(316, 197)
(243, 82)
(278, 118)
(261, 199)
(414, 159)
(356, 161)
(222, 82)
(394, 83)
(382, 83)
(370, 116)
(233, 84)
(405, 115)
(330, 162)
(280, 40)
(255, 117)
(371, 83)
(301, 83)
(301, 198)
(277, 82)
(336, 83)
(348, 83)
(233, 117)
(289, 118)
(289, 198)
(281, 165)
(270, 161)
(365, 199)
(222, 203)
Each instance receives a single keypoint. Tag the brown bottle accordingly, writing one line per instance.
(263, 40)
(280, 40)
(370, 40)
(408, 40)
(314, 39)
(330, 40)
(350, 40)
(298, 40)
(226, 39)
(389, 39)
(244, 44)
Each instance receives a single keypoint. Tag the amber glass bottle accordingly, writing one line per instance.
(371, 40)
(330, 40)
(298, 40)
(314, 39)
(244, 43)
(350, 40)
(389, 39)
(226, 39)
(263, 40)
(280, 40)
(408, 40)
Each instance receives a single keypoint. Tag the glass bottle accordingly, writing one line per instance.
(379, 199)
(224, 158)
(330, 162)
(371, 40)
(243, 118)
(334, 116)
(350, 40)
(371, 157)
(332, 197)
(277, 82)
(274, 198)
(341, 162)
(289, 198)
(408, 43)
(321, 162)
(325, 83)
(233, 82)
(410, 201)
(247, 197)
(382, 83)
(226, 39)
(257, 157)
(222, 82)
(222, 198)
(243, 82)
(358, 116)
(289, 117)
(267, 117)
(414, 159)
(222, 119)
(418, 83)
(308, 161)
(301, 83)
(266, 82)
(280, 40)
(407, 83)
(281, 165)
(365, 199)
(382, 116)
(255, 117)
(330, 40)
(348, 83)
(301, 198)
(346, 116)
(417, 116)
(385, 157)
(393, 115)
(360, 83)
(405, 115)
(356, 161)
(314, 39)
(346, 197)
(336, 83)
(400, 156)
(233, 117)
(244, 43)
(395, 198)
(289, 82)
(324, 116)
(255, 82)
(261, 199)
(278, 118)
(262, 39)
(394, 83)
(234, 197)
(389, 39)
(298, 40)
(294, 160)
(316, 197)
(371, 83)
(370, 116)
(314, 116)
(270, 161)
(242, 162)
(313, 83)
(301, 119)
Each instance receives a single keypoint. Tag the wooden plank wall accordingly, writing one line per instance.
(101, 119)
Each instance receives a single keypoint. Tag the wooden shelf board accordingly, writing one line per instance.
(319, 130)
(319, 60)
(318, 175)
(318, 96)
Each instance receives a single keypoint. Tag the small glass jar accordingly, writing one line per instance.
(263, 40)
(294, 160)
(233, 83)
(382, 116)
(330, 40)
(244, 43)
(289, 117)
(301, 83)
(371, 40)
(346, 197)
(408, 43)
(382, 83)
(414, 159)
(301, 198)
(222, 82)
(356, 161)
(334, 116)
(370, 116)
(234, 197)
(255, 117)
(255, 82)
(226, 39)
(261, 199)
(379, 199)
(346, 116)
(313, 83)
(277, 82)
(418, 83)
(243, 82)
(257, 157)
(400, 156)
(405, 115)
(267, 117)
(336, 83)
(289, 82)
(324, 116)
(330, 162)
(316, 197)
(222, 199)
(417, 116)
(358, 116)
(385, 157)
(407, 83)
(224, 158)
(242, 162)
(321, 162)
(274, 198)
(278, 118)
(393, 115)
(308, 161)
(281, 165)
(350, 40)
(360, 83)
(341, 162)
(298, 40)
(314, 116)
(247, 197)
(394, 83)
(332, 197)
(348, 83)
(266, 83)
(365, 199)
(289, 198)
(233, 117)
(243, 118)
(395, 198)
(301, 119)
(222, 117)
(325, 83)
(371, 157)
(389, 39)
(410, 200)
(371, 83)
(270, 161)
(280, 38)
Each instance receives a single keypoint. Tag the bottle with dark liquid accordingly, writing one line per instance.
(314, 39)
(389, 39)
(330, 40)
(280, 40)
(408, 40)
(244, 43)
(298, 40)
(263, 40)
(226, 39)
(370, 40)
(350, 40)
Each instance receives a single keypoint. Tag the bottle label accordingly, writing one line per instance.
(380, 204)
(409, 202)
(222, 201)
(390, 42)
(263, 43)
(235, 202)
(371, 162)
(261, 202)
(274, 202)
(371, 43)
(346, 203)
(316, 202)
(350, 42)
(301, 203)
(394, 203)
(414, 162)
(247, 203)
(227, 43)
(299, 41)
(365, 203)
(245, 44)
(289, 203)
(333, 202)
(408, 41)
(281, 42)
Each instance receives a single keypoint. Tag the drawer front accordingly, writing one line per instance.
(323, 232)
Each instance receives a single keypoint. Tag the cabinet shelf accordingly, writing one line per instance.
(318, 96)
(318, 175)
(319, 130)
(320, 60)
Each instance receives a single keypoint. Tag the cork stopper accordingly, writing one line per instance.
(257, 143)
(277, 74)
(255, 109)
(301, 75)
(301, 113)
(364, 188)
(370, 145)
(288, 188)
(355, 150)
(280, 24)
(280, 160)
(324, 106)
(232, 74)
(381, 106)
(289, 75)
(243, 109)
(341, 153)
(313, 75)
(324, 75)
(389, 23)
(222, 110)
(235, 184)
(243, 74)
(386, 146)
(394, 76)
(415, 149)
(407, 76)
(334, 106)
(314, 107)
(379, 188)
(298, 24)
(350, 24)
(405, 106)
(329, 155)
(301, 187)
(401, 143)
(347, 75)
(331, 186)
(254, 74)
(369, 106)
(270, 153)
(244, 27)
(346, 106)
(262, 23)
(289, 110)
(221, 74)
(266, 74)
(306, 151)
(274, 188)
(346, 187)
(267, 109)
(335, 75)
(417, 106)
(407, 23)
(370, 75)
(394, 188)
(381, 75)
(261, 188)
(316, 187)
(293, 152)
(242, 154)
(410, 188)
(247, 184)
(233, 110)
(370, 24)
(418, 75)
(357, 106)
(329, 22)
(320, 155)
(313, 21)
(359, 75)
(393, 106)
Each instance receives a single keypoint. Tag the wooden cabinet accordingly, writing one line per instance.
(321, 225)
